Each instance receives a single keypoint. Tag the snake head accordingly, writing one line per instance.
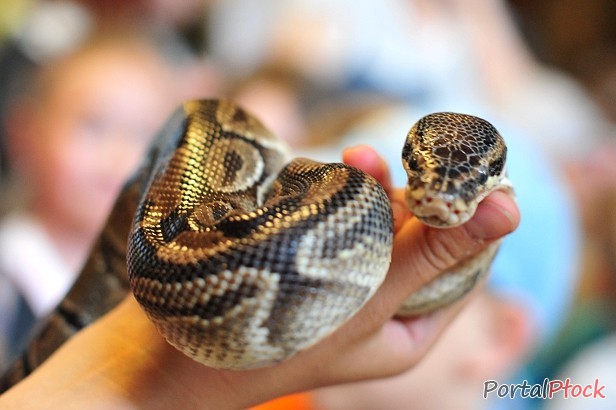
(453, 161)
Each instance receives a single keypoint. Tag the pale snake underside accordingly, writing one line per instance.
(241, 259)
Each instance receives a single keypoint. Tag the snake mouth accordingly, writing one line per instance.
(438, 211)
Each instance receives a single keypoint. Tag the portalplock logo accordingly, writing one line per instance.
(546, 390)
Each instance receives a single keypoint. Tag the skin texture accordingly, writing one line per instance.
(486, 341)
(121, 362)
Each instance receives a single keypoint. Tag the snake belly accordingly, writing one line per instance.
(242, 261)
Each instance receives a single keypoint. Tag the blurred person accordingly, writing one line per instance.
(177, 28)
(50, 29)
(74, 139)
(454, 54)
(46, 30)
(589, 351)
(594, 361)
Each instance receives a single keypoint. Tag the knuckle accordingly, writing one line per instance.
(443, 248)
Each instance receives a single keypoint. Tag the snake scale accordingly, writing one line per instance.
(241, 259)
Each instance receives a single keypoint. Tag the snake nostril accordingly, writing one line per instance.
(428, 199)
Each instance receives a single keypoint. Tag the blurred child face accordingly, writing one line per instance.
(100, 111)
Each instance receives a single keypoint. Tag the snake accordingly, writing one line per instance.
(242, 258)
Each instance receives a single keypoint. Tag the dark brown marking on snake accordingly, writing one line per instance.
(217, 305)
(234, 163)
(172, 225)
(239, 117)
(303, 294)
(496, 166)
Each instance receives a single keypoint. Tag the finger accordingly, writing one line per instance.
(429, 251)
(420, 252)
(496, 216)
(369, 161)
(396, 347)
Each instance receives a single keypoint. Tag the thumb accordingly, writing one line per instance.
(421, 252)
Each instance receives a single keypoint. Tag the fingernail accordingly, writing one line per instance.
(496, 216)
(361, 154)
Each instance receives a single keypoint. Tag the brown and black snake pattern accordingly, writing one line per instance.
(242, 261)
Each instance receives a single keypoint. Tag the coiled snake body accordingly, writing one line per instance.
(242, 261)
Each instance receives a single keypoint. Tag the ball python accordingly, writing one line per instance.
(242, 259)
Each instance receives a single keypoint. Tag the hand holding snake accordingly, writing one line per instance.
(242, 259)
(459, 243)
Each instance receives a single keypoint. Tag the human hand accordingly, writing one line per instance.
(122, 362)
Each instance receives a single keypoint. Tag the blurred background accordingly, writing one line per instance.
(86, 84)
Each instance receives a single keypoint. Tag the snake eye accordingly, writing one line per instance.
(412, 162)
(482, 177)
(416, 163)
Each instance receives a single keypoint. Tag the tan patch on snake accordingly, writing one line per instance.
(358, 259)
(233, 165)
(207, 339)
